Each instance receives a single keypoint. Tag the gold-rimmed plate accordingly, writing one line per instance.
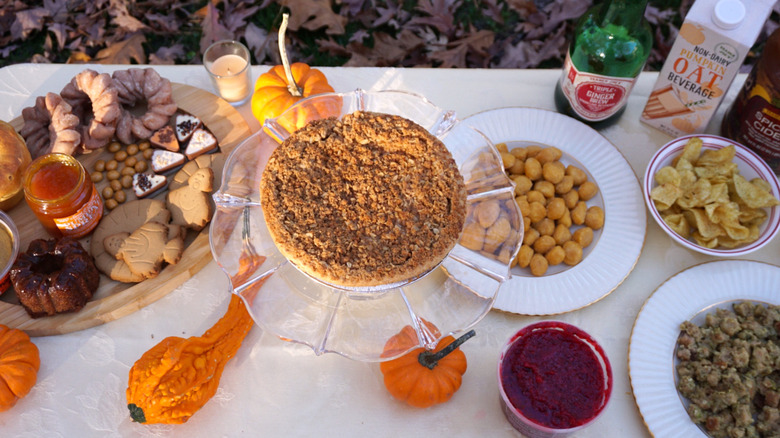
(657, 327)
(615, 248)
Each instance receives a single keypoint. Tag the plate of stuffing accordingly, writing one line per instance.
(704, 350)
(582, 210)
(375, 212)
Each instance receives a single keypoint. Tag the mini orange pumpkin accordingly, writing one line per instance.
(19, 364)
(423, 378)
(284, 85)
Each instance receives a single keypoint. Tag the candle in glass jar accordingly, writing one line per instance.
(227, 63)
(231, 81)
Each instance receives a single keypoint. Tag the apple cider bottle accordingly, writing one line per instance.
(611, 43)
(754, 117)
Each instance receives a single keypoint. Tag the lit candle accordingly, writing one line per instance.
(231, 83)
(228, 65)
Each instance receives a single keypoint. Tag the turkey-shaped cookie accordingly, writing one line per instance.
(145, 250)
(189, 205)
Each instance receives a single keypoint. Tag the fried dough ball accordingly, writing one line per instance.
(553, 199)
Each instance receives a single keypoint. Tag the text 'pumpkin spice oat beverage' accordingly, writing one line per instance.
(705, 58)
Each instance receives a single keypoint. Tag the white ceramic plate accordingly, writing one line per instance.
(655, 332)
(615, 249)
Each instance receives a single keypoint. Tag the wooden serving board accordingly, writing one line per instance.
(113, 299)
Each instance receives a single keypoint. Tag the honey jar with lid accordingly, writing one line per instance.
(62, 196)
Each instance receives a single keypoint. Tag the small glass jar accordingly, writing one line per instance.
(9, 248)
(62, 196)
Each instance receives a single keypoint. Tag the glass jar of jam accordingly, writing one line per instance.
(62, 196)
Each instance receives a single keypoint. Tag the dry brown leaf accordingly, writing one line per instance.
(28, 21)
(78, 58)
(213, 30)
(167, 55)
(314, 14)
(123, 52)
(440, 15)
(476, 43)
(523, 7)
(535, 35)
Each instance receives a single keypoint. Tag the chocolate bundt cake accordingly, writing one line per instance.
(54, 277)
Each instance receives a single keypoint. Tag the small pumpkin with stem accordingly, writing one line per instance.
(423, 378)
(19, 364)
(284, 85)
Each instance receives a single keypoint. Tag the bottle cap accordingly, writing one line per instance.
(728, 14)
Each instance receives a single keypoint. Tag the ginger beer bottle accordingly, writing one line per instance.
(611, 43)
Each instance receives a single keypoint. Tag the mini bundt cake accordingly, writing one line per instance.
(54, 277)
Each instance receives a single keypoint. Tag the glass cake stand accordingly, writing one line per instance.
(356, 323)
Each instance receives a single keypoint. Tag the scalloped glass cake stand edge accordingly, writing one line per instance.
(357, 323)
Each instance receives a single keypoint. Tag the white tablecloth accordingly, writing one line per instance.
(277, 388)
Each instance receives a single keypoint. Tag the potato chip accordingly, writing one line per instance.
(692, 150)
(678, 224)
(687, 179)
(727, 242)
(698, 218)
(749, 216)
(716, 157)
(665, 195)
(762, 184)
(696, 195)
(727, 216)
(660, 206)
(719, 194)
(683, 164)
(668, 175)
(753, 195)
(716, 174)
(707, 243)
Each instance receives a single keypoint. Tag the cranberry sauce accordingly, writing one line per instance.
(553, 376)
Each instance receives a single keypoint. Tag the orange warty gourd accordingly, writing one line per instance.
(19, 364)
(284, 85)
(423, 378)
(174, 379)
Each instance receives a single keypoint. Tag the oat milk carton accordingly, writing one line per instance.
(705, 58)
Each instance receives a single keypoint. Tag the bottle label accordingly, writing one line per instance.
(80, 223)
(594, 97)
(760, 129)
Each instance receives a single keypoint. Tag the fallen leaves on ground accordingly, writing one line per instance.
(399, 33)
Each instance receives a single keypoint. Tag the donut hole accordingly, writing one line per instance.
(140, 108)
(84, 112)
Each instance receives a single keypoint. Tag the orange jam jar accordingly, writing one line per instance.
(62, 196)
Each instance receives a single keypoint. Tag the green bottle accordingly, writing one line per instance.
(611, 43)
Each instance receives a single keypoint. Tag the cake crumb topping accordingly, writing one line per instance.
(371, 199)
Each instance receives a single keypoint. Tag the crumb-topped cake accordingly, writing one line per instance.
(368, 200)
